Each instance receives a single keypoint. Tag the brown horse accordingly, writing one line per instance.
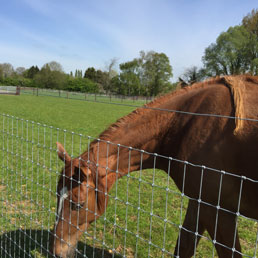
(203, 132)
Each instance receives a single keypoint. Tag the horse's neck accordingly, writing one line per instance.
(145, 132)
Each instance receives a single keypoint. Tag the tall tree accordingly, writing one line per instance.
(1, 73)
(7, 69)
(20, 71)
(103, 80)
(250, 21)
(111, 72)
(91, 74)
(231, 53)
(31, 72)
(47, 78)
(111, 68)
(147, 75)
(236, 50)
(55, 66)
(130, 82)
(156, 71)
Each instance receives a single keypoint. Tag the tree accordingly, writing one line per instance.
(81, 84)
(156, 71)
(117, 85)
(7, 69)
(111, 72)
(20, 70)
(91, 74)
(250, 22)
(233, 53)
(47, 78)
(147, 75)
(193, 74)
(102, 79)
(130, 83)
(78, 73)
(55, 66)
(236, 50)
(110, 68)
(1, 73)
(31, 72)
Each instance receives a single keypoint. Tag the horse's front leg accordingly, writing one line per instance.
(188, 238)
(224, 234)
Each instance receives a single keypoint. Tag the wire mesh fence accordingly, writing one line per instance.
(10, 90)
(96, 97)
(145, 214)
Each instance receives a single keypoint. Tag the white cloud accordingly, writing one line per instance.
(24, 33)
(27, 56)
(87, 33)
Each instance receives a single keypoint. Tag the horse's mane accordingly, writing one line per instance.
(236, 84)
(238, 87)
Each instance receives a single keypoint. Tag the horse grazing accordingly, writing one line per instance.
(203, 132)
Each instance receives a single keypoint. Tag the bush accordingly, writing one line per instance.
(82, 85)
(16, 81)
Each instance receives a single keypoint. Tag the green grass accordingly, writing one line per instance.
(29, 172)
(88, 118)
(130, 100)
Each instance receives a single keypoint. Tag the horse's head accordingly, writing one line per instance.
(79, 202)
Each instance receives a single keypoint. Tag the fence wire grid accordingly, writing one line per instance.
(143, 219)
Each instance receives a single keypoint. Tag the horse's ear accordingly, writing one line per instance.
(62, 154)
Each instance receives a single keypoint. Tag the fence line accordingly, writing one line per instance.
(136, 102)
(145, 213)
(10, 90)
(96, 97)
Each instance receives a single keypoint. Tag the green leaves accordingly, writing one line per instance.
(81, 84)
(147, 75)
(235, 51)
(48, 77)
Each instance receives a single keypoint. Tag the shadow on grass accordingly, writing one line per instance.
(35, 244)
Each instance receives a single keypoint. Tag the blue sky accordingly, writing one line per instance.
(84, 33)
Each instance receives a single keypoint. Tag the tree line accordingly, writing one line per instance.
(147, 75)
(234, 52)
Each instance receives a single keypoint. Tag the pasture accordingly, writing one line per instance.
(29, 172)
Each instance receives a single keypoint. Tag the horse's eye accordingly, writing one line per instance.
(76, 206)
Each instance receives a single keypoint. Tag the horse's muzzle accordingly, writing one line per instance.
(69, 254)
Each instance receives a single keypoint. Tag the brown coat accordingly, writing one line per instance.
(202, 124)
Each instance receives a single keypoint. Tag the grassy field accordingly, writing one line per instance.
(101, 98)
(29, 173)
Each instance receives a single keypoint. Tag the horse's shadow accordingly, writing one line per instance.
(35, 244)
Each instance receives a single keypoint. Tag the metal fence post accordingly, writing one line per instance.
(18, 90)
